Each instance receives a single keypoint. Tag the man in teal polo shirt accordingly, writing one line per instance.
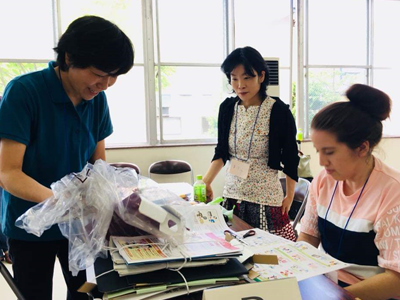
(52, 122)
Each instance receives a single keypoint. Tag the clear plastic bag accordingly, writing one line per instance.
(84, 203)
(157, 207)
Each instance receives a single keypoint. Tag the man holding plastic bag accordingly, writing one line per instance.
(52, 122)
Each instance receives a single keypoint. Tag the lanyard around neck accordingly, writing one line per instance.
(252, 133)
(354, 207)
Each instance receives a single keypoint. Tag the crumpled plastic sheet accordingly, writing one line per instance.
(84, 204)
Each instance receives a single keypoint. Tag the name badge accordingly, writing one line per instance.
(239, 168)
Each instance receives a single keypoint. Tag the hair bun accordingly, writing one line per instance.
(370, 100)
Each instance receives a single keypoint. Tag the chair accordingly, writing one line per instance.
(169, 167)
(301, 190)
(10, 280)
(126, 165)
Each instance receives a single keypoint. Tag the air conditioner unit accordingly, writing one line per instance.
(273, 66)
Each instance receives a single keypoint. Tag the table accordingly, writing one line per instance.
(239, 225)
(315, 288)
(320, 287)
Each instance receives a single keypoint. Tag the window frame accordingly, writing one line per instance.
(302, 80)
(151, 63)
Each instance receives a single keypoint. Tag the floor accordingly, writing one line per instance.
(59, 287)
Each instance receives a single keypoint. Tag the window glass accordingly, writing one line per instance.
(26, 30)
(190, 102)
(269, 33)
(264, 25)
(284, 88)
(387, 80)
(326, 86)
(10, 70)
(126, 14)
(386, 51)
(126, 99)
(191, 31)
(337, 32)
(387, 65)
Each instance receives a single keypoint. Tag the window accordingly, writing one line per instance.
(126, 99)
(346, 42)
(190, 86)
(386, 63)
(266, 25)
(25, 48)
(190, 100)
(172, 94)
(337, 43)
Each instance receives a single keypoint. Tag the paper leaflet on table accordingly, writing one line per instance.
(300, 259)
(206, 218)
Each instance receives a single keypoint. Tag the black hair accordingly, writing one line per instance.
(358, 120)
(92, 41)
(252, 61)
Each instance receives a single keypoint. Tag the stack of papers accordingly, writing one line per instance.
(123, 269)
(204, 243)
(145, 266)
(165, 280)
(150, 249)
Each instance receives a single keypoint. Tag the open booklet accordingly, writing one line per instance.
(300, 259)
(204, 239)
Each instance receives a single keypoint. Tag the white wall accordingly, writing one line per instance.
(198, 156)
(387, 150)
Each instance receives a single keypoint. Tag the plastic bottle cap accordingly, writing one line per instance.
(199, 177)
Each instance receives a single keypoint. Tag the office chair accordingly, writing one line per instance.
(10, 280)
(126, 165)
(169, 167)
(301, 190)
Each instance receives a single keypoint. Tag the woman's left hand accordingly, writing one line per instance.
(286, 204)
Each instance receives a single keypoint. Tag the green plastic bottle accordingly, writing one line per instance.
(299, 135)
(199, 190)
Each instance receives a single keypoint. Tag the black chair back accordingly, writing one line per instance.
(169, 167)
(301, 191)
(126, 165)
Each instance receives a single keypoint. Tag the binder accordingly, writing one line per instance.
(111, 282)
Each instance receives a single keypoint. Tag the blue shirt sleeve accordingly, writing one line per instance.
(16, 113)
(105, 126)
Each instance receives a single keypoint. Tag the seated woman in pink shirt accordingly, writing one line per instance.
(353, 211)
